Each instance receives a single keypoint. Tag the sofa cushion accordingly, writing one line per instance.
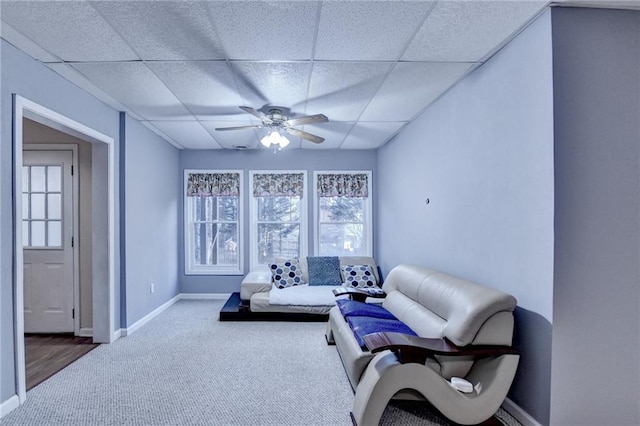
(359, 276)
(324, 270)
(361, 326)
(352, 308)
(286, 274)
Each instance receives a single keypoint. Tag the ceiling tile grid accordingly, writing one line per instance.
(379, 32)
(165, 30)
(184, 67)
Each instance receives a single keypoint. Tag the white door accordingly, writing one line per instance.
(47, 232)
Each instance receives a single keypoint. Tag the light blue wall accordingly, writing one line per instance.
(153, 192)
(483, 156)
(263, 159)
(30, 79)
(596, 323)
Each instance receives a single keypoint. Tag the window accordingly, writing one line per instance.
(42, 206)
(213, 217)
(343, 219)
(278, 216)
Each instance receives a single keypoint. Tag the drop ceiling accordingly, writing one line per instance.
(183, 67)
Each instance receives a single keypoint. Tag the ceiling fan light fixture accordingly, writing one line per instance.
(274, 138)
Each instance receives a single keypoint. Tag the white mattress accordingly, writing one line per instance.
(260, 303)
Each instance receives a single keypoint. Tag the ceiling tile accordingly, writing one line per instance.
(232, 138)
(379, 30)
(334, 133)
(24, 43)
(206, 88)
(74, 76)
(341, 90)
(271, 30)
(74, 30)
(370, 135)
(134, 85)
(468, 30)
(282, 84)
(189, 134)
(164, 30)
(410, 87)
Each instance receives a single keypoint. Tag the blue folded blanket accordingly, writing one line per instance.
(362, 325)
(352, 308)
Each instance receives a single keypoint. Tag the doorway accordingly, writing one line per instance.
(103, 226)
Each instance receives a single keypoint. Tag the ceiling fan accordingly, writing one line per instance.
(277, 122)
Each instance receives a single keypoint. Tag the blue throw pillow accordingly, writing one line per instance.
(352, 308)
(324, 270)
(361, 326)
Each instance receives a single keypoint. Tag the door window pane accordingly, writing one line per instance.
(25, 206)
(54, 206)
(37, 233)
(54, 233)
(54, 179)
(37, 206)
(25, 178)
(25, 233)
(37, 179)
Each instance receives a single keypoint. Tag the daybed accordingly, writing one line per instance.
(448, 327)
(261, 295)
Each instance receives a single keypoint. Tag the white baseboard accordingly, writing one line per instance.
(218, 296)
(9, 405)
(123, 332)
(86, 332)
(142, 321)
(519, 414)
(117, 334)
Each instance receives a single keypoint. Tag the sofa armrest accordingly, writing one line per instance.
(255, 282)
(359, 294)
(417, 349)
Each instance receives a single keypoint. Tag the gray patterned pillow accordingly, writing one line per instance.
(360, 276)
(286, 274)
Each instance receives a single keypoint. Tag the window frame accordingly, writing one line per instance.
(191, 269)
(367, 214)
(253, 218)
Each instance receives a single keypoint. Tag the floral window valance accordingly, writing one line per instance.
(352, 185)
(213, 185)
(278, 185)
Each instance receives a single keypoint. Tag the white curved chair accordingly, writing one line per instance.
(388, 374)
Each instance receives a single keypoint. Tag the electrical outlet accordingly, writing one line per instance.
(152, 288)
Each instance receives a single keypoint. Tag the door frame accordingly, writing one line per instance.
(75, 212)
(104, 289)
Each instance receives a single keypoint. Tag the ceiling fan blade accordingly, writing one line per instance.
(256, 113)
(257, 126)
(317, 118)
(304, 135)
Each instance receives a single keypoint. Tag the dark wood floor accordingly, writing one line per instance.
(46, 354)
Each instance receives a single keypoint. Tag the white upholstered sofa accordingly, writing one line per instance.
(462, 329)
(257, 287)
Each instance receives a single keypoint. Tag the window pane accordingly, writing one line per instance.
(278, 241)
(54, 179)
(342, 240)
(227, 208)
(25, 178)
(25, 233)
(37, 234)
(54, 206)
(54, 233)
(37, 178)
(37, 206)
(227, 244)
(277, 209)
(25, 206)
(341, 209)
